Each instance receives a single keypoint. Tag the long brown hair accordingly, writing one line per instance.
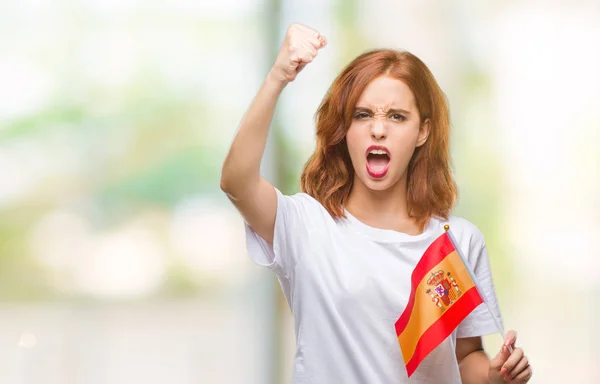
(328, 174)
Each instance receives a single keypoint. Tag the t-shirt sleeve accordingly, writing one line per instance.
(290, 237)
(480, 321)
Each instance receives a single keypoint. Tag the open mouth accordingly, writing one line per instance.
(378, 161)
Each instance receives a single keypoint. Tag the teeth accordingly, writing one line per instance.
(378, 152)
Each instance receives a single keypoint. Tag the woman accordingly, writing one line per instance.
(377, 191)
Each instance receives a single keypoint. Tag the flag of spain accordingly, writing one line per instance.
(442, 295)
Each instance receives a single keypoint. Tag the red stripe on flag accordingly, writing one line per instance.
(443, 327)
(435, 253)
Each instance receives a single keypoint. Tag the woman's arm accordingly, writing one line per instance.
(472, 360)
(252, 195)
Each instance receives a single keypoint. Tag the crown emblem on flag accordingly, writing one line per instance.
(436, 278)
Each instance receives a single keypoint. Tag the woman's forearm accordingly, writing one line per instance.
(242, 164)
(474, 368)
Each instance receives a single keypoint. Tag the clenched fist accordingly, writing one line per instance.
(300, 47)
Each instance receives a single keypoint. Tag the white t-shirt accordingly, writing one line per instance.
(347, 283)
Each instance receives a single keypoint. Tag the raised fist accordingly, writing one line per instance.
(300, 47)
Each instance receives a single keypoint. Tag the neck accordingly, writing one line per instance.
(387, 209)
(374, 205)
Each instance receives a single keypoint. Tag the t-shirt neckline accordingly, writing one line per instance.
(390, 235)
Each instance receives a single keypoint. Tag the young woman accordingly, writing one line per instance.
(377, 191)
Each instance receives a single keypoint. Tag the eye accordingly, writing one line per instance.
(361, 115)
(397, 117)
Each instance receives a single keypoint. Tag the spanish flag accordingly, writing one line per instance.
(442, 295)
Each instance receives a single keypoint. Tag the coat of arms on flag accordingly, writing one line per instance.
(443, 293)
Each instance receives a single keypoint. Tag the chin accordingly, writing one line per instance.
(382, 184)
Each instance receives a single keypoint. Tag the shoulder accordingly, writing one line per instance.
(465, 232)
(304, 198)
(301, 199)
(303, 205)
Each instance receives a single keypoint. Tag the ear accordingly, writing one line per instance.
(423, 132)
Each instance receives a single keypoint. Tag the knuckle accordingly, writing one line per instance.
(293, 30)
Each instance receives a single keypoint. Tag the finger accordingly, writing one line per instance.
(512, 361)
(315, 42)
(510, 338)
(310, 48)
(497, 362)
(520, 367)
(306, 57)
(323, 40)
(298, 51)
(524, 376)
(311, 31)
(296, 58)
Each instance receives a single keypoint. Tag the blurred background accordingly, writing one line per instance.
(122, 262)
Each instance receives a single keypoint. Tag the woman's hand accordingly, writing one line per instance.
(509, 367)
(300, 47)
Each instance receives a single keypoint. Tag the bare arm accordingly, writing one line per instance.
(472, 360)
(252, 195)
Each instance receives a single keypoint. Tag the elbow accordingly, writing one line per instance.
(236, 185)
(225, 187)
(230, 182)
(225, 182)
(226, 174)
(232, 190)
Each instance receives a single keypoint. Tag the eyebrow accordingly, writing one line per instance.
(391, 110)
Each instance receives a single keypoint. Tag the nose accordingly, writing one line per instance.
(378, 129)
